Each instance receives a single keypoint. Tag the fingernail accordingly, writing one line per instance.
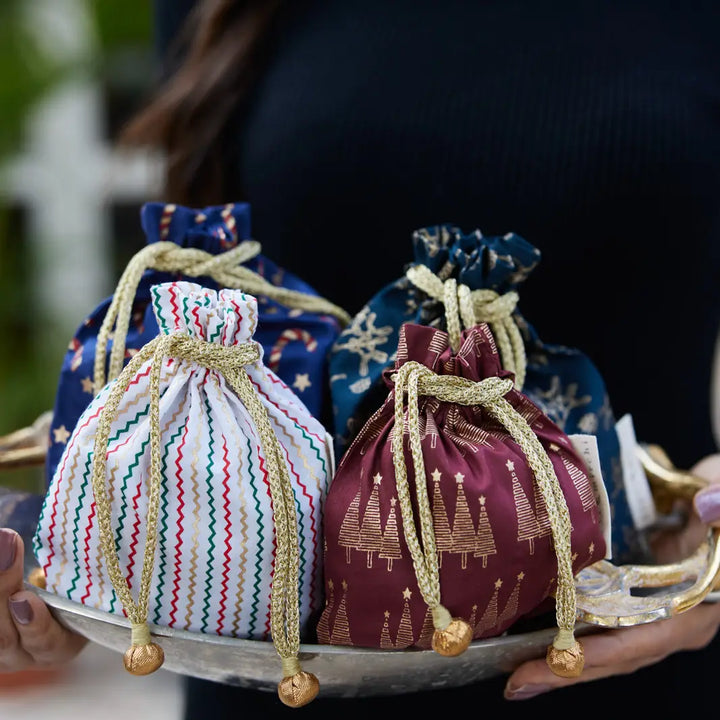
(525, 692)
(707, 504)
(7, 548)
(21, 610)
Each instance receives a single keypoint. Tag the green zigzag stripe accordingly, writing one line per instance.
(123, 510)
(313, 446)
(211, 551)
(188, 321)
(258, 556)
(162, 537)
(162, 322)
(76, 539)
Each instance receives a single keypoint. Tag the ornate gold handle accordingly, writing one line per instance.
(26, 447)
(618, 596)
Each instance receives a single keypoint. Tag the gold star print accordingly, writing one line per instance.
(344, 585)
(393, 502)
(459, 477)
(554, 447)
(302, 381)
(498, 584)
(510, 465)
(87, 385)
(436, 475)
(387, 614)
(61, 434)
(407, 594)
(591, 549)
(377, 478)
(331, 584)
(482, 499)
(520, 576)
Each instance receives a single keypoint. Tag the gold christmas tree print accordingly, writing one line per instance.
(466, 434)
(463, 530)
(405, 637)
(349, 535)
(323, 627)
(390, 548)
(473, 612)
(511, 606)
(427, 631)
(541, 512)
(580, 480)
(386, 642)
(371, 529)
(341, 626)
(484, 540)
(441, 524)
(427, 426)
(527, 522)
(490, 616)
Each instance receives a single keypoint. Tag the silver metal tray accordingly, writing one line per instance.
(342, 672)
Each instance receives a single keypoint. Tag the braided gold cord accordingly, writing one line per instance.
(415, 379)
(473, 307)
(226, 269)
(230, 360)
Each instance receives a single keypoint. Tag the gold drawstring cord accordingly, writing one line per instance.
(415, 379)
(473, 307)
(226, 269)
(143, 657)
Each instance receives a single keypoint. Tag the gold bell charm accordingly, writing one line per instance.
(298, 687)
(452, 636)
(566, 657)
(143, 656)
(36, 577)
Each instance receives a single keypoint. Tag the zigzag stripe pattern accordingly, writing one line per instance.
(211, 525)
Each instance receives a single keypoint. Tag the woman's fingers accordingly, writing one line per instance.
(41, 636)
(12, 655)
(621, 651)
(29, 635)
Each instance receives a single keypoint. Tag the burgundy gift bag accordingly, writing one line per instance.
(458, 509)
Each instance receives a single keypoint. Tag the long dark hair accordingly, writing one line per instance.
(225, 44)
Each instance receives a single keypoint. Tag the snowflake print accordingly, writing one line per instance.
(558, 404)
(364, 339)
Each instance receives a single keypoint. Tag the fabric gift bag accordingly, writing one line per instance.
(296, 327)
(456, 280)
(190, 492)
(458, 509)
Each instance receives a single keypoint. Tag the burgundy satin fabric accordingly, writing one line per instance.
(493, 537)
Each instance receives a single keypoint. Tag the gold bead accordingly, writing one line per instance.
(298, 689)
(143, 659)
(567, 663)
(36, 577)
(454, 639)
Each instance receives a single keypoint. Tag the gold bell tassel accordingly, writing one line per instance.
(143, 656)
(453, 635)
(297, 687)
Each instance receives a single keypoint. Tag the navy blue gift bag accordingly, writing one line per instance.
(211, 246)
(457, 280)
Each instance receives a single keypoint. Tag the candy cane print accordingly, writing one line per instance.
(287, 336)
(165, 220)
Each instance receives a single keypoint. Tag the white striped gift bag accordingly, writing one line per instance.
(190, 492)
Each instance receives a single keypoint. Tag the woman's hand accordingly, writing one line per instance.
(29, 635)
(622, 651)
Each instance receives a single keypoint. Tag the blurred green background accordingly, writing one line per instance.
(105, 45)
